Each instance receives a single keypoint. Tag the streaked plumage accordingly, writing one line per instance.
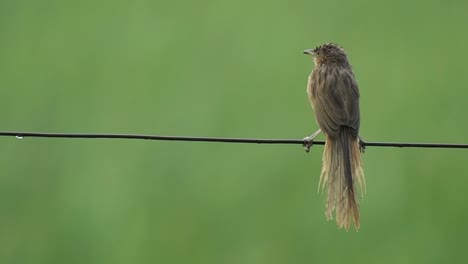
(334, 95)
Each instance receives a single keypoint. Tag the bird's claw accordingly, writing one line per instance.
(362, 145)
(308, 142)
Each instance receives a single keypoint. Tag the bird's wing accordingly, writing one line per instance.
(336, 102)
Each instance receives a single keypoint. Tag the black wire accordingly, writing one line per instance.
(152, 137)
(20, 135)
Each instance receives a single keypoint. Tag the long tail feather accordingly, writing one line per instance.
(341, 170)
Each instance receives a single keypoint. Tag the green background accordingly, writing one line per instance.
(226, 69)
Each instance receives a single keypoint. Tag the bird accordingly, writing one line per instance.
(333, 92)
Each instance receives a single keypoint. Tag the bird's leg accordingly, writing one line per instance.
(309, 141)
(362, 145)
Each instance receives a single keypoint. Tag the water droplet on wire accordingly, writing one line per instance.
(19, 137)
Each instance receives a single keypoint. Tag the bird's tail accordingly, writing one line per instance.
(341, 169)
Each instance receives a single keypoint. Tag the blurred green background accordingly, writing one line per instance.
(226, 69)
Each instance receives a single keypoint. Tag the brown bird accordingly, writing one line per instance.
(334, 95)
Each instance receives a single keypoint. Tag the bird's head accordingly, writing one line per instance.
(329, 53)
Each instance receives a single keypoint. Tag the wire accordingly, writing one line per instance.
(20, 135)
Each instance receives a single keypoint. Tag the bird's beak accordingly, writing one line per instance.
(309, 51)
